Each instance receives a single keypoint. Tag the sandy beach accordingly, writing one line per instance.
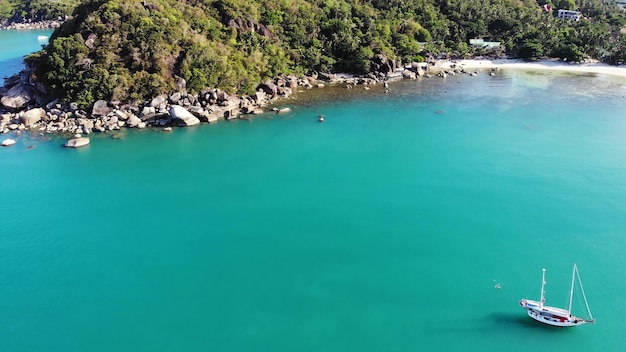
(551, 65)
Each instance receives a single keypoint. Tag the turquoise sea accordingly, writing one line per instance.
(14, 44)
(386, 228)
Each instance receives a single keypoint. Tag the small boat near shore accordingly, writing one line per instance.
(554, 316)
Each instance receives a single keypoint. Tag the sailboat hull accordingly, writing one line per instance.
(551, 315)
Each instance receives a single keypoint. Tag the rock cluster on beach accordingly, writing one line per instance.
(47, 24)
(24, 105)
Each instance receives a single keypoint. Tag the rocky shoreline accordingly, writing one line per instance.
(29, 25)
(24, 106)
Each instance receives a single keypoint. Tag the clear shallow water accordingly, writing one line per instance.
(384, 228)
(17, 43)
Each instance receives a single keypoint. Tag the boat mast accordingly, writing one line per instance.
(543, 283)
(571, 291)
(582, 289)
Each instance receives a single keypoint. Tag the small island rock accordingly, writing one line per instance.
(77, 142)
(8, 142)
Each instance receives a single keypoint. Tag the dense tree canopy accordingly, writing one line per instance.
(121, 49)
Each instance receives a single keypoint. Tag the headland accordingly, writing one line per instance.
(25, 110)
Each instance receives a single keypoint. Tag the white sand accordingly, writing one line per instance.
(551, 65)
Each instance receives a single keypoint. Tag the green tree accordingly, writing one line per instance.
(531, 50)
(567, 4)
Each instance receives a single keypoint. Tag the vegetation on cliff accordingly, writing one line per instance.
(129, 50)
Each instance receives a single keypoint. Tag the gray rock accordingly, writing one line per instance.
(175, 98)
(259, 96)
(87, 124)
(181, 84)
(147, 112)
(285, 92)
(409, 74)
(121, 115)
(90, 41)
(159, 102)
(292, 81)
(212, 118)
(268, 87)
(222, 96)
(232, 113)
(54, 113)
(179, 113)
(80, 114)
(8, 142)
(327, 76)
(52, 104)
(17, 97)
(77, 142)
(101, 108)
(33, 116)
(133, 121)
(5, 118)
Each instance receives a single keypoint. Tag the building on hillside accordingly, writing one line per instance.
(482, 43)
(621, 4)
(569, 15)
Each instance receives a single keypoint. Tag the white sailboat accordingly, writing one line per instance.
(553, 315)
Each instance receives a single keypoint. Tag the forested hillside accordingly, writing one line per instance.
(125, 50)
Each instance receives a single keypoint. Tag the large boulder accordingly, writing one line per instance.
(101, 108)
(175, 98)
(147, 113)
(409, 74)
(329, 77)
(33, 116)
(17, 97)
(179, 113)
(159, 102)
(5, 118)
(121, 115)
(133, 121)
(259, 96)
